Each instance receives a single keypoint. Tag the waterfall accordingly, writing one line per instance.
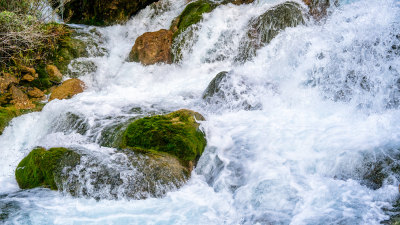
(306, 131)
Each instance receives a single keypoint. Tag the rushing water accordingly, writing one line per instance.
(326, 97)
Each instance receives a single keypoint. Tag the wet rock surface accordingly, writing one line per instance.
(264, 28)
(152, 47)
(67, 89)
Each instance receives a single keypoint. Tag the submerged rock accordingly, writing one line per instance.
(68, 89)
(264, 28)
(125, 174)
(176, 133)
(102, 12)
(152, 47)
(225, 91)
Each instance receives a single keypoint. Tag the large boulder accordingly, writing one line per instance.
(262, 29)
(120, 174)
(152, 47)
(68, 89)
(157, 156)
(42, 168)
(102, 12)
(176, 134)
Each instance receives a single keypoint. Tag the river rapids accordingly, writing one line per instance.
(311, 117)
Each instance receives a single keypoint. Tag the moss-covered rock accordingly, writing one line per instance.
(264, 28)
(41, 167)
(6, 115)
(103, 12)
(121, 174)
(69, 48)
(176, 133)
(192, 14)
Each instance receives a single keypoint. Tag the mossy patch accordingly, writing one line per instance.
(40, 167)
(9, 112)
(176, 133)
(69, 48)
(6, 115)
(192, 14)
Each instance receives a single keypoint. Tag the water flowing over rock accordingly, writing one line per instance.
(152, 47)
(123, 174)
(306, 131)
(68, 89)
(225, 88)
(42, 168)
(183, 26)
(102, 12)
(267, 26)
(318, 8)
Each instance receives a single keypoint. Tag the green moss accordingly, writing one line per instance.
(6, 115)
(192, 14)
(69, 49)
(9, 112)
(39, 168)
(176, 133)
(43, 81)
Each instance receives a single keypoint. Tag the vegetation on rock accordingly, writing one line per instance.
(102, 12)
(40, 167)
(176, 133)
(192, 14)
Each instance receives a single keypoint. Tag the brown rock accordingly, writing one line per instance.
(318, 8)
(239, 2)
(152, 47)
(67, 89)
(20, 99)
(25, 69)
(28, 78)
(35, 93)
(5, 81)
(54, 74)
(174, 25)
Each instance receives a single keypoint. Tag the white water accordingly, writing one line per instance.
(298, 159)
